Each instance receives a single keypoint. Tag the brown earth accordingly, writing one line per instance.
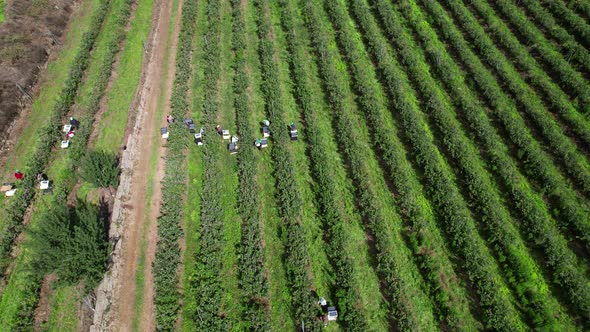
(117, 293)
(31, 31)
(147, 317)
(43, 308)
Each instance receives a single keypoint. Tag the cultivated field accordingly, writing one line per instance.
(440, 179)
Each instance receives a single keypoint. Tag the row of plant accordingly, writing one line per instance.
(575, 163)
(252, 278)
(48, 136)
(290, 201)
(570, 48)
(581, 6)
(194, 164)
(576, 24)
(71, 242)
(450, 299)
(93, 105)
(409, 306)
(573, 210)
(98, 168)
(165, 268)
(327, 192)
(534, 216)
(495, 298)
(206, 280)
(31, 280)
(568, 78)
(497, 224)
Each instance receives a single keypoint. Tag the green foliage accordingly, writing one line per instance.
(447, 293)
(78, 150)
(2, 10)
(327, 193)
(289, 198)
(456, 219)
(252, 281)
(576, 164)
(100, 168)
(581, 6)
(169, 232)
(49, 135)
(205, 281)
(498, 225)
(31, 281)
(535, 218)
(73, 243)
(570, 48)
(576, 24)
(571, 209)
(402, 283)
(567, 77)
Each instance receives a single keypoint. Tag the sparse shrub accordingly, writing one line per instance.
(100, 168)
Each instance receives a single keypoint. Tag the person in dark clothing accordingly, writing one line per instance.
(75, 123)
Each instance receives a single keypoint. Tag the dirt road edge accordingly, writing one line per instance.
(110, 285)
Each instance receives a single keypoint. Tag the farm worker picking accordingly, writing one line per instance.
(18, 175)
(74, 122)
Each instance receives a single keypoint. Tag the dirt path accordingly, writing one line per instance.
(148, 312)
(117, 293)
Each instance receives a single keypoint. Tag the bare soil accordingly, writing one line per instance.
(115, 307)
(30, 34)
(44, 307)
(147, 317)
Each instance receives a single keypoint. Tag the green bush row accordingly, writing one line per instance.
(48, 136)
(78, 150)
(100, 168)
(29, 284)
(537, 162)
(568, 79)
(403, 286)
(575, 162)
(206, 280)
(535, 220)
(165, 268)
(73, 243)
(518, 266)
(32, 281)
(570, 48)
(576, 24)
(494, 297)
(327, 191)
(581, 6)
(289, 199)
(252, 278)
(450, 298)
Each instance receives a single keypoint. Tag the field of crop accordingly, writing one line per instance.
(440, 180)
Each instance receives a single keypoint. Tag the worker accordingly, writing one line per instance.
(219, 129)
(74, 122)
(169, 118)
(70, 134)
(18, 175)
